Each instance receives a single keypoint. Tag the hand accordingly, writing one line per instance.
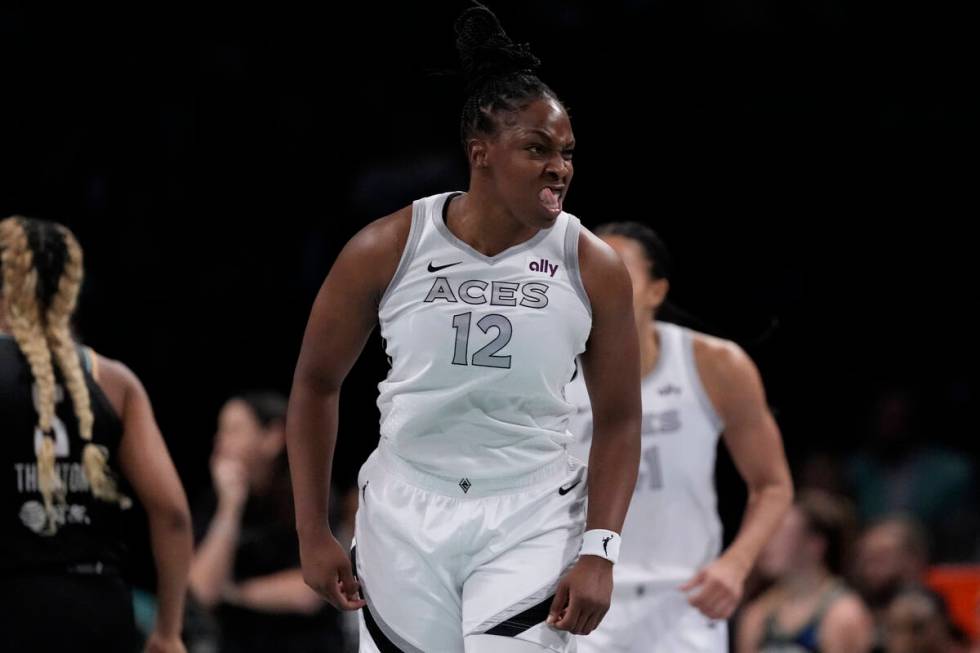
(157, 643)
(327, 569)
(583, 596)
(719, 588)
(230, 481)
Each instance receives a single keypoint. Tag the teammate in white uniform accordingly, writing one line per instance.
(673, 591)
(469, 534)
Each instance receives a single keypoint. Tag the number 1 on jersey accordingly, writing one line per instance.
(485, 356)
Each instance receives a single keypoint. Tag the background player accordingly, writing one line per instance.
(694, 387)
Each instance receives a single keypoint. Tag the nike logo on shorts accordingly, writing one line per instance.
(565, 490)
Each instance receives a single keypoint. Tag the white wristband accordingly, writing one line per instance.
(602, 543)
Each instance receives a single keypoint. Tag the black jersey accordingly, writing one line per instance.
(90, 531)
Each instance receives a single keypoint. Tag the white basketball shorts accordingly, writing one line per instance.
(441, 559)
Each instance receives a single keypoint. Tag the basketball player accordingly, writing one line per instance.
(72, 422)
(469, 534)
(694, 387)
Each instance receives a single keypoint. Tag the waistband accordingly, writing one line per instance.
(464, 487)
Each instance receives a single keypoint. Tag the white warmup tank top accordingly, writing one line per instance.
(672, 528)
(481, 349)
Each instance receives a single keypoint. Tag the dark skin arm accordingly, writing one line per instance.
(611, 370)
(145, 462)
(343, 316)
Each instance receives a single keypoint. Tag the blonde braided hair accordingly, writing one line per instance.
(41, 332)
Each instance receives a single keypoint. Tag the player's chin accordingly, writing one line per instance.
(544, 216)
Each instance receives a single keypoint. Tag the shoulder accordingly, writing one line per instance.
(595, 255)
(722, 364)
(117, 381)
(370, 258)
(116, 372)
(718, 356)
(847, 620)
(601, 268)
(385, 236)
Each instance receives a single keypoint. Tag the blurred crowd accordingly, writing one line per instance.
(880, 550)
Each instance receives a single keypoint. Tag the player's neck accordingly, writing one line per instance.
(484, 224)
(649, 345)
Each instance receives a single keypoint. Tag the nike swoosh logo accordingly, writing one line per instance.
(565, 490)
(436, 268)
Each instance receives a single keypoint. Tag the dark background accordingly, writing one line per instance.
(812, 165)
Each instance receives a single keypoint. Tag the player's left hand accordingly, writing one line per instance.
(718, 588)
(583, 596)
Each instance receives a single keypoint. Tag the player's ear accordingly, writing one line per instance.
(657, 292)
(477, 150)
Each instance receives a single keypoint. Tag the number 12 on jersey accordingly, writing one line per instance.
(485, 356)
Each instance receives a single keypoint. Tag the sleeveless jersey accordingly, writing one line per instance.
(481, 348)
(90, 531)
(672, 528)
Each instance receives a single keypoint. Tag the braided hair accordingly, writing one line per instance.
(499, 75)
(41, 270)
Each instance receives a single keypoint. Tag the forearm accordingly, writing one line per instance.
(311, 434)
(614, 462)
(765, 508)
(215, 557)
(172, 544)
(281, 592)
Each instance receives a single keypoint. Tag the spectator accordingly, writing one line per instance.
(809, 608)
(246, 564)
(917, 621)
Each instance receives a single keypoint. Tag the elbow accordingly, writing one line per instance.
(310, 380)
(624, 430)
(783, 494)
(632, 440)
(173, 518)
(784, 490)
(778, 493)
(208, 598)
(789, 493)
(177, 519)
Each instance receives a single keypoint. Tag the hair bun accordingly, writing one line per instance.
(485, 50)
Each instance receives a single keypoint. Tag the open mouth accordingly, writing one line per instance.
(551, 197)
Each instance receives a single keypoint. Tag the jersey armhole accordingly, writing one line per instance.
(695, 378)
(93, 362)
(572, 231)
(90, 361)
(411, 244)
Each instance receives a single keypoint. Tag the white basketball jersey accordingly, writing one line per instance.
(672, 528)
(481, 348)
